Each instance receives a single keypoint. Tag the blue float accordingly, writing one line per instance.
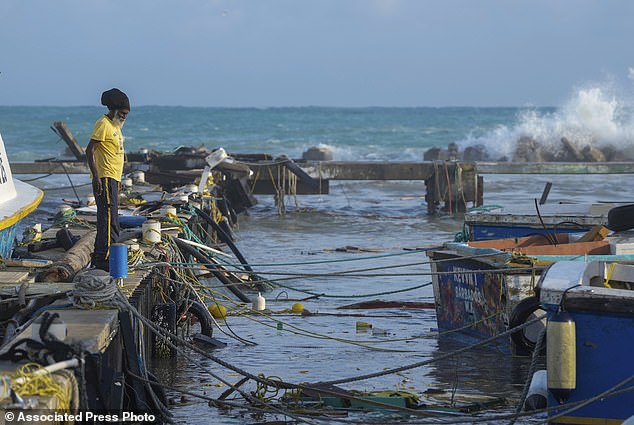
(118, 260)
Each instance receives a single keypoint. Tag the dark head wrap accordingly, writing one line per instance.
(115, 99)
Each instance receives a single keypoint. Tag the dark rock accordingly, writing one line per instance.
(432, 154)
(528, 150)
(318, 154)
(571, 151)
(592, 154)
(475, 153)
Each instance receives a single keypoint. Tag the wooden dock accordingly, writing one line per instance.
(106, 337)
(445, 181)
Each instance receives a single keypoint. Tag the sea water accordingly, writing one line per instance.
(351, 245)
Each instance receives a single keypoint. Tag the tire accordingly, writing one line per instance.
(523, 344)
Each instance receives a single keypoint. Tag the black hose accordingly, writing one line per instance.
(23, 315)
(219, 274)
(224, 238)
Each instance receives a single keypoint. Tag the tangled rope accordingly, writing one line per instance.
(95, 289)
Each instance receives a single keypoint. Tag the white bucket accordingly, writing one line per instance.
(64, 208)
(151, 231)
(165, 209)
(90, 200)
(138, 177)
(127, 182)
(216, 157)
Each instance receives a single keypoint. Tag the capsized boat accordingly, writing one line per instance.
(483, 288)
(590, 338)
(17, 200)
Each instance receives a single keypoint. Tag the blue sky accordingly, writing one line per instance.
(313, 52)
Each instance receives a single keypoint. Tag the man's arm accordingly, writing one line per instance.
(96, 183)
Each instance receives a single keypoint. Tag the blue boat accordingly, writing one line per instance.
(17, 200)
(481, 289)
(515, 221)
(590, 340)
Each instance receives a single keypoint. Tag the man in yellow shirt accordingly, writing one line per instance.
(105, 157)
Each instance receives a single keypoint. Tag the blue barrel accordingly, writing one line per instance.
(118, 260)
(130, 221)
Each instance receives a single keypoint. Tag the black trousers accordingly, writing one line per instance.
(107, 221)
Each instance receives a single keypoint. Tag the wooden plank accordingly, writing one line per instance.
(266, 187)
(50, 167)
(555, 167)
(365, 170)
(13, 276)
(11, 288)
(92, 330)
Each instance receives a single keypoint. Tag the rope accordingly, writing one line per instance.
(32, 379)
(531, 371)
(95, 290)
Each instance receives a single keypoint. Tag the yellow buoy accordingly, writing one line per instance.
(218, 311)
(561, 356)
(297, 308)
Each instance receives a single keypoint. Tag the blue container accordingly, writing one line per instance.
(127, 221)
(118, 260)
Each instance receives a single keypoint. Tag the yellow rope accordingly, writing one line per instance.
(26, 382)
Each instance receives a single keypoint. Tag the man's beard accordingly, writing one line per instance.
(118, 121)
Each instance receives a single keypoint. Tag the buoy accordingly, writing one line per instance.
(151, 231)
(537, 396)
(364, 325)
(218, 311)
(561, 356)
(297, 308)
(118, 260)
(127, 182)
(259, 303)
(90, 200)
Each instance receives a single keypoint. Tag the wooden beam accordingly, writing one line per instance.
(50, 167)
(555, 167)
(368, 170)
(64, 132)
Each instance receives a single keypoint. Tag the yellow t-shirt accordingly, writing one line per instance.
(108, 153)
